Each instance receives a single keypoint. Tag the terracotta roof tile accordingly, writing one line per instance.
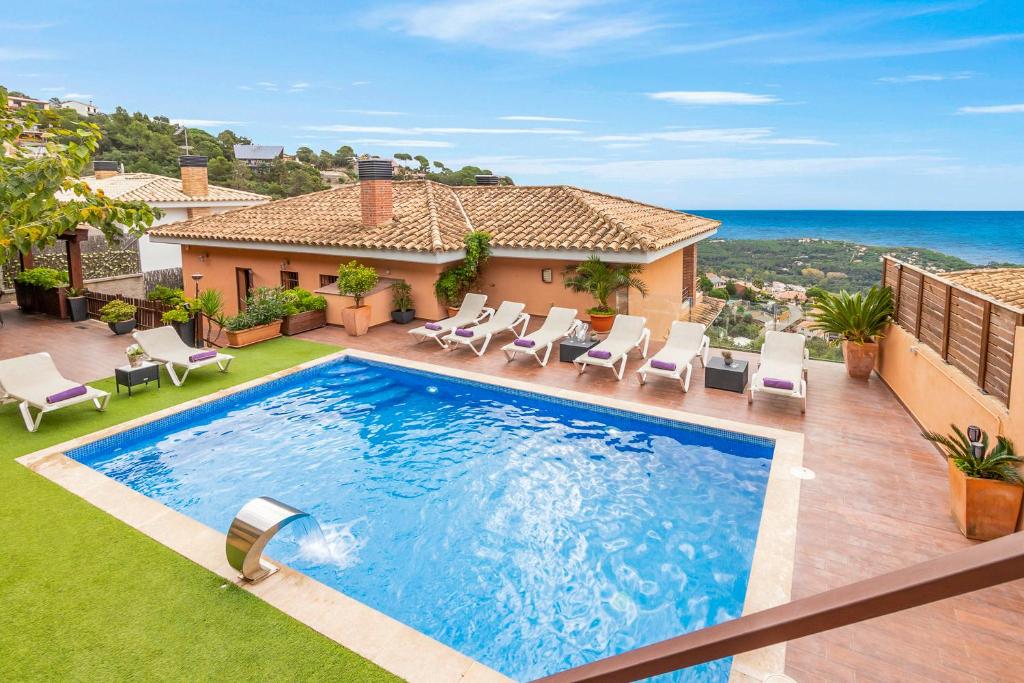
(1002, 284)
(432, 217)
(148, 187)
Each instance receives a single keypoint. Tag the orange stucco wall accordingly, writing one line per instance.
(502, 279)
(938, 394)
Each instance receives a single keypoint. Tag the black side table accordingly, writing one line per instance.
(718, 375)
(569, 349)
(130, 377)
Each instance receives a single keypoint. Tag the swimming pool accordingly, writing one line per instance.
(527, 532)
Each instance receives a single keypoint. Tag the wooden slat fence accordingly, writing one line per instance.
(146, 317)
(971, 331)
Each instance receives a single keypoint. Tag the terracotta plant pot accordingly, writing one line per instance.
(303, 322)
(356, 320)
(601, 322)
(254, 335)
(983, 508)
(451, 311)
(860, 358)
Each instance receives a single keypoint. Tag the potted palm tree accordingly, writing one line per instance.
(401, 302)
(356, 280)
(985, 487)
(601, 280)
(859, 320)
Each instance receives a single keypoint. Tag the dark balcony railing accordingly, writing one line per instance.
(981, 566)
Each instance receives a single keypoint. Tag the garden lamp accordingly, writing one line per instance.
(196, 277)
(974, 436)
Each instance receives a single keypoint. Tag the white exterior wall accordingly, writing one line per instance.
(154, 256)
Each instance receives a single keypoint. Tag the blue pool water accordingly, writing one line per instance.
(530, 533)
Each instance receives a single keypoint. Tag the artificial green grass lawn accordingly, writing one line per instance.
(86, 597)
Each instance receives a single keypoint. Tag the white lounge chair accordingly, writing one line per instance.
(33, 381)
(628, 332)
(471, 312)
(782, 370)
(560, 323)
(508, 316)
(686, 341)
(163, 345)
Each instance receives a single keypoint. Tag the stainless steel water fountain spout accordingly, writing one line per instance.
(253, 527)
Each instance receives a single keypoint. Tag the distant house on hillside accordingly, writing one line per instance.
(190, 196)
(258, 155)
(18, 101)
(83, 108)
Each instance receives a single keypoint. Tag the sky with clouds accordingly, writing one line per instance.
(690, 104)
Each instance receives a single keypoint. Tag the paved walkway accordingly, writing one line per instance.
(878, 503)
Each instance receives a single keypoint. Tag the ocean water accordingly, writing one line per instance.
(529, 534)
(976, 236)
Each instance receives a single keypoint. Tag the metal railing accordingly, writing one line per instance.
(981, 566)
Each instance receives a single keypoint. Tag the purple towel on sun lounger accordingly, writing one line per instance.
(66, 394)
(463, 332)
(599, 353)
(202, 355)
(663, 365)
(773, 383)
(433, 326)
(525, 343)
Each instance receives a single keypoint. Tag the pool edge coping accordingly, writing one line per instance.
(383, 640)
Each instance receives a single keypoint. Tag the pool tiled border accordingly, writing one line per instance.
(385, 641)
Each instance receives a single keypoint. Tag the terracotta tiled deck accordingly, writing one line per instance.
(878, 502)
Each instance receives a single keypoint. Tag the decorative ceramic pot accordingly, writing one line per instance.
(983, 508)
(860, 359)
(356, 320)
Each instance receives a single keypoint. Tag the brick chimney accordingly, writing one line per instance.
(105, 169)
(486, 179)
(195, 182)
(376, 198)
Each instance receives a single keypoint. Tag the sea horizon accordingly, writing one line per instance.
(980, 237)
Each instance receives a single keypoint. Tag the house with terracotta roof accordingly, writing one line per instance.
(189, 196)
(413, 230)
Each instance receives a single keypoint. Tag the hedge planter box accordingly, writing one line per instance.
(123, 327)
(32, 299)
(303, 322)
(254, 335)
(983, 508)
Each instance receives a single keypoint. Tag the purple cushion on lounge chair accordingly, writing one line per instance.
(525, 343)
(202, 355)
(463, 332)
(433, 326)
(599, 353)
(66, 394)
(773, 383)
(663, 365)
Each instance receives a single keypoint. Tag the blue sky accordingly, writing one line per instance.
(870, 105)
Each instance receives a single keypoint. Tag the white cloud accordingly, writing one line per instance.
(77, 96)
(549, 119)
(738, 136)
(266, 84)
(545, 26)
(359, 83)
(877, 51)
(403, 143)
(205, 123)
(392, 130)
(711, 97)
(245, 87)
(59, 88)
(625, 145)
(928, 78)
(374, 112)
(16, 54)
(993, 109)
(730, 168)
(300, 85)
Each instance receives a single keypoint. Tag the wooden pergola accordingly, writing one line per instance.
(73, 247)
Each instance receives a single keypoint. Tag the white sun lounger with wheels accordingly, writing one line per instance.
(163, 345)
(507, 318)
(628, 332)
(782, 370)
(560, 323)
(471, 312)
(33, 381)
(686, 341)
